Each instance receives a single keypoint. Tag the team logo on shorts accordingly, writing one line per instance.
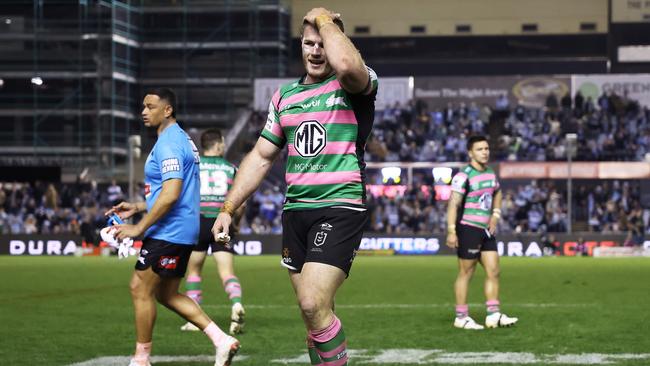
(310, 139)
(168, 262)
(326, 226)
(143, 254)
(320, 238)
(285, 255)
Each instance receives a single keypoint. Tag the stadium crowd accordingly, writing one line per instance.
(537, 206)
(414, 133)
(617, 130)
(47, 208)
(611, 128)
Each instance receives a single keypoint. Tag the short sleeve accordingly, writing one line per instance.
(171, 162)
(459, 183)
(373, 82)
(272, 130)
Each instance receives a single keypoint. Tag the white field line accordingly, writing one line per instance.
(124, 360)
(437, 357)
(408, 357)
(403, 306)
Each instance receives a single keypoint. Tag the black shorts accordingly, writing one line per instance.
(165, 258)
(325, 235)
(472, 241)
(206, 238)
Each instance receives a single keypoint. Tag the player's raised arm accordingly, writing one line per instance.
(342, 55)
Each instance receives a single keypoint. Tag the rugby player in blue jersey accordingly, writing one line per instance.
(170, 227)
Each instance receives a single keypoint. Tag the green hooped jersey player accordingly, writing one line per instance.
(478, 189)
(325, 129)
(217, 175)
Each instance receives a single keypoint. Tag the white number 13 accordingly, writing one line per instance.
(214, 183)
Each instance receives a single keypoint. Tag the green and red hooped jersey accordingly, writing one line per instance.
(478, 189)
(217, 175)
(325, 129)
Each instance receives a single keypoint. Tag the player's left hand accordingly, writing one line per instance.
(315, 12)
(127, 231)
(492, 228)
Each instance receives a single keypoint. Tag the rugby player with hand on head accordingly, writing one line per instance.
(324, 118)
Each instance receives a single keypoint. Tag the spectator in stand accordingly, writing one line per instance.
(579, 101)
(551, 103)
(51, 197)
(114, 193)
(502, 103)
(567, 104)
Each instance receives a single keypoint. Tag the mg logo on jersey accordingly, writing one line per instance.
(310, 139)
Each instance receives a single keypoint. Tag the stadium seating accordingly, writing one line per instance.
(414, 132)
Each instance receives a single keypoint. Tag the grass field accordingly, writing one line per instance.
(395, 310)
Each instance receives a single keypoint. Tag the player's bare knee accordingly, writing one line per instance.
(309, 307)
(466, 272)
(493, 273)
(138, 288)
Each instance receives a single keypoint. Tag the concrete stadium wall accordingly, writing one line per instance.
(440, 17)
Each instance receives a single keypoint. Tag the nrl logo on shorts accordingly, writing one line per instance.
(310, 139)
(320, 238)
